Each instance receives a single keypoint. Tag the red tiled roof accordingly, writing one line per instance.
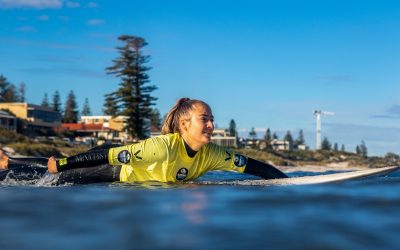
(155, 129)
(83, 127)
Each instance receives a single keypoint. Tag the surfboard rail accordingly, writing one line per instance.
(309, 180)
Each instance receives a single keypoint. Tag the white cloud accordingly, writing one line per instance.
(95, 22)
(34, 4)
(391, 113)
(28, 29)
(71, 4)
(394, 110)
(43, 18)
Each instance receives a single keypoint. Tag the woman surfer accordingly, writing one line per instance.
(182, 153)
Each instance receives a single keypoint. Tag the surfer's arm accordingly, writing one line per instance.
(263, 170)
(84, 160)
(139, 154)
(227, 160)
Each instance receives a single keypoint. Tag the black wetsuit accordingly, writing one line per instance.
(90, 167)
(34, 168)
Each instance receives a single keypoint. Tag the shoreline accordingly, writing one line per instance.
(321, 168)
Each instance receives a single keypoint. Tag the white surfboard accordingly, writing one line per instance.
(307, 180)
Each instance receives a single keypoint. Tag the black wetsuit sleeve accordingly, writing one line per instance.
(263, 170)
(85, 160)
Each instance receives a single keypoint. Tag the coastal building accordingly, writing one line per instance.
(300, 147)
(97, 131)
(252, 143)
(280, 145)
(107, 127)
(223, 138)
(35, 119)
(8, 121)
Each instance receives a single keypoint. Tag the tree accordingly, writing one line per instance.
(300, 138)
(86, 107)
(21, 90)
(289, 138)
(45, 101)
(8, 92)
(335, 147)
(275, 136)
(326, 145)
(362, 149)
(56, 105)
(110, 106)
(71, 109)
(392, 157)
(4, 85)
(11, 94)
(133, 97)
(232, 128)
(155, 118)
(253, 134)
(267, 136)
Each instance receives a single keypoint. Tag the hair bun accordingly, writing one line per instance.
(183, 100)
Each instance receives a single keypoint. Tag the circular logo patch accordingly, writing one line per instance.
(124, 156)
(182, 173)
(240, 160)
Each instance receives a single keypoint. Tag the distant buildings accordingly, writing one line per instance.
(34, 119)
(8, 121)
(223, 138)
(105, 127)
(275, 144)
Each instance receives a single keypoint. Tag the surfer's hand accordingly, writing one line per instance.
(3, 160)
(52, 165)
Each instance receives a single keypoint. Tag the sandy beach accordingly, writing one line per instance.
(344, 166)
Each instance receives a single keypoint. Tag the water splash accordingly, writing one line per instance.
(36, 177)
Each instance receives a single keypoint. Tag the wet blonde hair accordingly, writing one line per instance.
(180, 110)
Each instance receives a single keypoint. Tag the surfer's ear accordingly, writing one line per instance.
(184, 124)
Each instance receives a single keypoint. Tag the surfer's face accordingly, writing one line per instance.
(199, 126)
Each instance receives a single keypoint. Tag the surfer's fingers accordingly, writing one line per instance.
(3, 160)
(52, 165)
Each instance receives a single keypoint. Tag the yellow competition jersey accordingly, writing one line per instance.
(164, 158)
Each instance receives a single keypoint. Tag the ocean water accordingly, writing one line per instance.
(360, 214)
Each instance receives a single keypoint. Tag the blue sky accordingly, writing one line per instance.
(265, 64)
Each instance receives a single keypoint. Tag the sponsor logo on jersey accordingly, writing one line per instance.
(137, 156)
(62, 161)
(124, 156)
(240, 160)
(182, 174)
(228, 156)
